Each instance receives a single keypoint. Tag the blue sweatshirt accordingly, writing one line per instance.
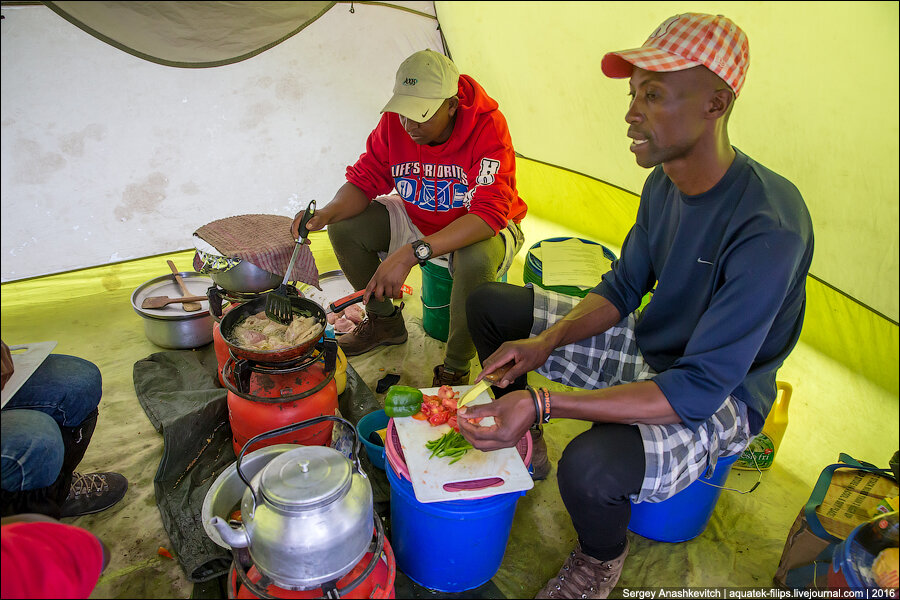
(729, 267)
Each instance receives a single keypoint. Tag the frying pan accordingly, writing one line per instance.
(301, 306)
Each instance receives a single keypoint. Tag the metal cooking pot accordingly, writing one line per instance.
(301, 306)
(171, 327)
(307, 515)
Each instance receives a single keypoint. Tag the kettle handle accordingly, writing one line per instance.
(288, 429)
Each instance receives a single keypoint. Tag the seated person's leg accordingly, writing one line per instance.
(67, 388)
(357, 242)
(496, 313)
(32, 458)
(598, 471)
(472, 266)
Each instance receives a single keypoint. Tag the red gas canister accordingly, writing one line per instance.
(379, 583)
(277, 399)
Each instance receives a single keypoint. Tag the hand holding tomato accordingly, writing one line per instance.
(513, 414)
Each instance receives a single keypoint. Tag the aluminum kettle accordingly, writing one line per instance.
(308, 515)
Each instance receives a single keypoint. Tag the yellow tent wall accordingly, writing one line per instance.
(818, 107)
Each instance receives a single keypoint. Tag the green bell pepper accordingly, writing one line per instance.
(402, 401)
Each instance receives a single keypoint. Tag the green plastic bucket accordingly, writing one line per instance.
(436, 287)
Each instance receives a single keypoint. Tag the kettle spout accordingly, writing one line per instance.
(236, 538)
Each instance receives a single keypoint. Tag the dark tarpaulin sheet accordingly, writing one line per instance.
(180, 392)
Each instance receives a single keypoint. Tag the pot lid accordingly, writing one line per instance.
(305, 478)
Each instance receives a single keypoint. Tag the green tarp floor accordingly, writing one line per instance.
(89, 314)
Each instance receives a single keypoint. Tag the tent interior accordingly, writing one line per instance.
(113, 156)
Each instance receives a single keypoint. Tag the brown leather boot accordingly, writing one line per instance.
(583, 576)
(447, 376)
(540, 463)
(374, 331)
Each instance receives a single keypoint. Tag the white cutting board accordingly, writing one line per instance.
(26, 359)
(430, 475)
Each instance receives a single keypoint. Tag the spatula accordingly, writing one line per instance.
(188, 306)
(483, 385)
(278, 303)
(160, 301)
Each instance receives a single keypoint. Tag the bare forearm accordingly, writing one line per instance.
(348, 202)
(639, 402)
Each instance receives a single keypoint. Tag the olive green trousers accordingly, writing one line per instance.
(357, 243)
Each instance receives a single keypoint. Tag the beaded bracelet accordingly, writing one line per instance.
(537, 403)
(546, 407)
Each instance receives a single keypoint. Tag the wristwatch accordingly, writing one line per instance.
(422, 250)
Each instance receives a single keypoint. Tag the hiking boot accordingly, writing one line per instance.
(374, 331)
(93, 492)
(583, 576)
(446, 376)
(540, 463)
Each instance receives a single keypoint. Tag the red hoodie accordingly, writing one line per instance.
(473, 172)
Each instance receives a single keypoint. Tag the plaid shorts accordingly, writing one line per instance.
(675, 456)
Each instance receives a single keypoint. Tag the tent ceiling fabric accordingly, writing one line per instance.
(192, 34)
(107, 157)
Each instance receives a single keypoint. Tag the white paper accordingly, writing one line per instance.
(573, 263)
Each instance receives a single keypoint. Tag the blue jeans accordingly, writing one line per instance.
(62, 392)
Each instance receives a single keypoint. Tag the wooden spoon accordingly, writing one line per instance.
(188, 306)
(160, 301)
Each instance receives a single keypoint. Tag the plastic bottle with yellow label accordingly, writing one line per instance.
(762, 449)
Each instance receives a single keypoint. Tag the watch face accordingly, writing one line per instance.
(422, 251)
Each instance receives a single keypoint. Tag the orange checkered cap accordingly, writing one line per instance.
(684, 41)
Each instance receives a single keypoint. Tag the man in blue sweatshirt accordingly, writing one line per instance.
(724, 243)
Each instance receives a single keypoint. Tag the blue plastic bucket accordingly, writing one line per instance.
(450, 546)
(683, 516)
(851, 565)
(373, 421)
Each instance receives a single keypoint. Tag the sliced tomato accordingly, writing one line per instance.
(446, 391)
(449, 404)
(420, 416)
(439, 418)
(452, 423)
(430, 405)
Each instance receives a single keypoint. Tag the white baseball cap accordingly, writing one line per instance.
(423, 82)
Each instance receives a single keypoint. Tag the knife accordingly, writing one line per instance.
(483, 385)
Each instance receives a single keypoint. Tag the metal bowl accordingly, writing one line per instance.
(246, 277)
(227, 490)
(171, 327)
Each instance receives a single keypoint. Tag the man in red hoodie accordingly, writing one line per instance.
(443, 147)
